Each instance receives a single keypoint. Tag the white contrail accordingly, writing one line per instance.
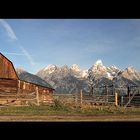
(8, 29)
(27, 55)
(13, 53)
(13, 36)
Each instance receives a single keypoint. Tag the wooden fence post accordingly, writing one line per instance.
(81, 97)
(18, 88)
(113, 89)
(128, 93)
(121, 100)
(37, 96)
(24, 85)
(116, 99)
(106, 93)
(76, 99)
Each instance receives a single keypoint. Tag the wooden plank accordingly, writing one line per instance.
(26, 99)
(7, 95)
(81, 97)
(24, 85)
(8, 83)
(19, 94)
(8, 90)
(37, 96)
(19, 99)
(19, 84)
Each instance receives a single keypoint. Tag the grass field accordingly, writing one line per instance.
(61, 112)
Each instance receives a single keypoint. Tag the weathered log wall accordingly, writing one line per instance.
(8, 86)
(12, 90)
(15, 86)
(23, 85)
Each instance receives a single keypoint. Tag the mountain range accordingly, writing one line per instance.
(72, 79)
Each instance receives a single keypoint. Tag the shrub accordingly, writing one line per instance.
(59, 106)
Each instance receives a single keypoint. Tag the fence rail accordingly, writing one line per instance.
(19, 97)
(134, 102)
(81, 99)
(129, 98)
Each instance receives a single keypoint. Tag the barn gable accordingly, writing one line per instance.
(7, 69)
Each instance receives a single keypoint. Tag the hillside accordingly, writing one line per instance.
(24, 75)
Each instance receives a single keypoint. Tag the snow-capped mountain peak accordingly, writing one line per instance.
(75, 67)
(113, 67)
(47, 70)
(99, 62)
(64, 67)
(130, 69)
(49, 67)
(85, 73)
(98, 66)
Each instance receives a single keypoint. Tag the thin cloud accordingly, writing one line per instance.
(13, 36)
(27, 55)
(8, 29)
(13, 53)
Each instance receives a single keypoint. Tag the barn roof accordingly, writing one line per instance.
(37, 84)
(31, 78)
(10, 63)
(22, 79)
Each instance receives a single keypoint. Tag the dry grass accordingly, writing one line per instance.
(69, 111)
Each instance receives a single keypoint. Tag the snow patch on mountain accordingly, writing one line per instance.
(85, 73)
(109, 76)
(99, 62)
(130, 69)
(50, 68)
(98, 66)
(114, 67)
(75, 67)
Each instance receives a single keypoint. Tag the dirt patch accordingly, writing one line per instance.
(72, 118)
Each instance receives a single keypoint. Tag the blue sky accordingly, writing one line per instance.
(34, 43)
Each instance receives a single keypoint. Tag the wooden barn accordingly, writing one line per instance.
(13, 89)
